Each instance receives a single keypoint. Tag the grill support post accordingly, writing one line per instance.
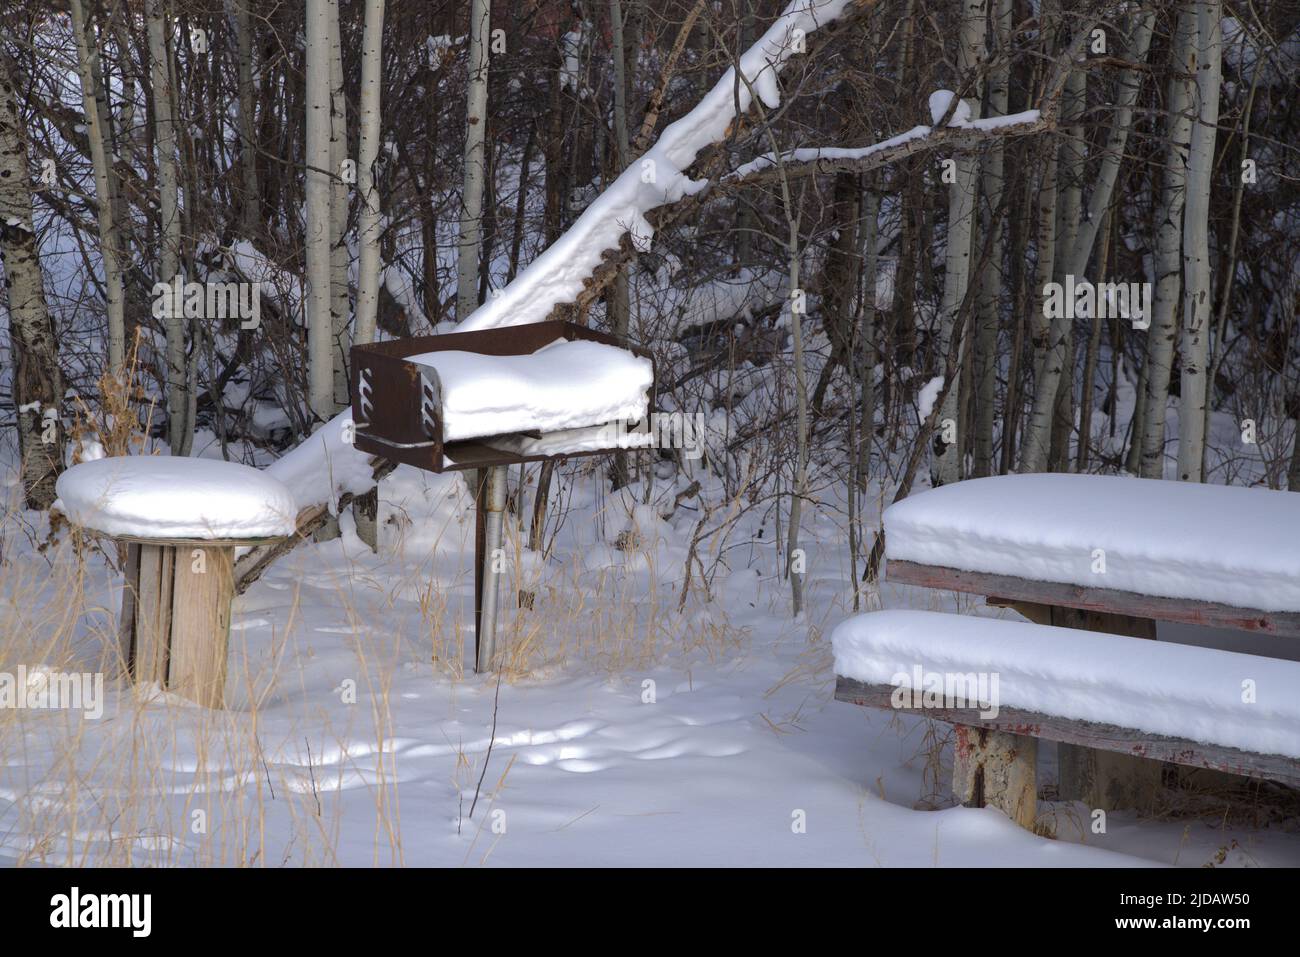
(491, 506)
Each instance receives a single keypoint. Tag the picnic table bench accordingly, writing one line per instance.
(1076, 554)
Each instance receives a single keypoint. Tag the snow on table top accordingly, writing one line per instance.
(154, 496)
(564, 385)
(1157, 687)
(1226, 544)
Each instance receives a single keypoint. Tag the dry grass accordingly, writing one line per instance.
(159, 782)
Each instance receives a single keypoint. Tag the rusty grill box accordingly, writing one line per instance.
(396, 405)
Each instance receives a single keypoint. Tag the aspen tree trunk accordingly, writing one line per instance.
(794, 556)
(1196, 245)
(251, 213)
(870, 259)
(1229, 255)
(746, 221)
(37, 379)
(110, 249)
(320, 351)
(180, 427)
(1090, 357)
(1168, 251)
(990, 279)
(1069, 203)
(947, 464)
(369, 221)
(340, 307)
(471, 222)
(619, 301)
(365, 510)
(1075, 240)
(1293, 469)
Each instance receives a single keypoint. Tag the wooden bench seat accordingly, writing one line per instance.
(1196, 707)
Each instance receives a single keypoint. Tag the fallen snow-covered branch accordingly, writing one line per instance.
(657, 179)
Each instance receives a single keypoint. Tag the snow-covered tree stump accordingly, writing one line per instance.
(182, 519)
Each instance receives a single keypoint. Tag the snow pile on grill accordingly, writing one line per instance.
(565, 385)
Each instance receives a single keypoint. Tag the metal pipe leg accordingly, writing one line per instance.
(495, 495)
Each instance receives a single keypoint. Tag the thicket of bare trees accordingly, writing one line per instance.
(380, 169)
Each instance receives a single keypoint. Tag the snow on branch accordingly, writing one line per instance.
(657, 179)
(958, 135)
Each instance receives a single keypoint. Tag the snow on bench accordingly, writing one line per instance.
(175, 497)
(569, 384)
(1180, 551)
(1194, 706)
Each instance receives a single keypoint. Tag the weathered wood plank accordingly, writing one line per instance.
(153, 616)
(200, 632)
(130, 607)
(1106, 737)
(1113, 601)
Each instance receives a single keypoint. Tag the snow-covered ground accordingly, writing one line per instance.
(624, 732)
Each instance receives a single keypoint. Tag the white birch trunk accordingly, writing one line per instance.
(1196, 245)
(110, 251)
(180, 427)
(990, 279)
(369, 223)
(340, 307)
(1168, 251)
(37, 379)
(1075, 239)
(365, 509)
(471, 222)
(320, 352)
(947, 464)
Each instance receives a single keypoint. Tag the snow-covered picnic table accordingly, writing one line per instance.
(1094, 554)
(1175, 551)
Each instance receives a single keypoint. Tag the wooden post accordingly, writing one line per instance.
(200, 627)
(996, 769)
(175, 624)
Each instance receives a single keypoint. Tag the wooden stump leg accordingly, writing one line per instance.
(146, 611)
(130, 609)
(997, 769)
(1107, 781)
(200, 625)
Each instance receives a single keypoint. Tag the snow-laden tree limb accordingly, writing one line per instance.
(658, 178)
(960, 136)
